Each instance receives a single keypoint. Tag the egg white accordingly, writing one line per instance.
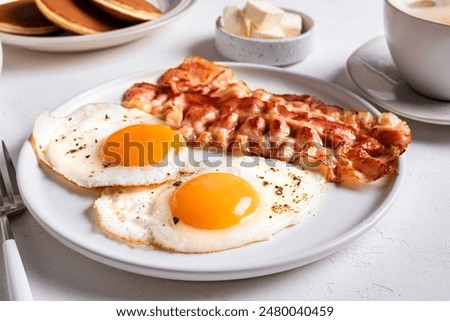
(70, 146)
(143, 216)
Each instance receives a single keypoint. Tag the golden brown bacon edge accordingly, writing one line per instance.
(205, 103)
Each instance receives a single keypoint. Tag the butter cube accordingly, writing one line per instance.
(263, 14)
(291, 24)
(234, 21)
(274, 33)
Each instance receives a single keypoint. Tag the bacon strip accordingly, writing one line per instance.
(205, 103)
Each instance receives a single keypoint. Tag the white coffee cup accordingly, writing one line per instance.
(420, 49)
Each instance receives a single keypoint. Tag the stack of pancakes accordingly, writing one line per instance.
(42, 17)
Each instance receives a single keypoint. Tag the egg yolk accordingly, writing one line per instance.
(214, 201)
(139, 145)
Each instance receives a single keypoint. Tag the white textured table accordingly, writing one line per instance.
(405, 257)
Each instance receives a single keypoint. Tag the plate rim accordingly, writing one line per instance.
(53, 44)
(373, 99)
(300, 259)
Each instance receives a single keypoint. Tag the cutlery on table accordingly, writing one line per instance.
(11, 203)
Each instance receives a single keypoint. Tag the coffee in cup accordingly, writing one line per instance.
(432, 10)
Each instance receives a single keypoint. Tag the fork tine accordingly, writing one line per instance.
(11, 170)
(4, 198)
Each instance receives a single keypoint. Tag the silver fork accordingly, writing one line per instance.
(11, 203)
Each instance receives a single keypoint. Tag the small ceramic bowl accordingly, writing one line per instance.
(274, 52)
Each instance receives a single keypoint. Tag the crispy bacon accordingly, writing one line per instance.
(149, 98)
(197, 75)
(205, 103)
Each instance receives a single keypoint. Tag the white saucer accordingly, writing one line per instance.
(372, 69)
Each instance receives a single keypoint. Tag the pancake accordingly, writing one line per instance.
(77, 16)
(24, 18)
(129, 10)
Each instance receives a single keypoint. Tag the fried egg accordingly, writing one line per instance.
(241, 201)
(101, 145)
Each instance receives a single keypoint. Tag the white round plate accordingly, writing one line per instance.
(373, 71)
(172, 9)
(1, 57)
(343, 215)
